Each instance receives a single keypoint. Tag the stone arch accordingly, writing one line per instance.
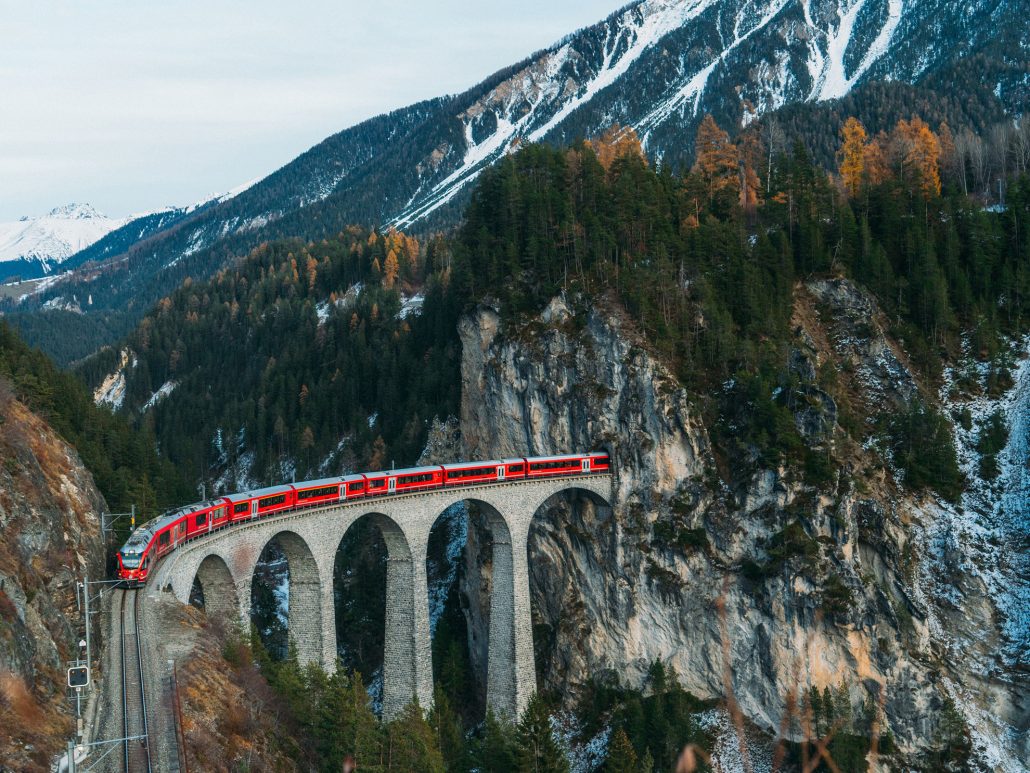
(218, 589)
(555, 597)
(407, 663)
(504, 682)
(304, 615)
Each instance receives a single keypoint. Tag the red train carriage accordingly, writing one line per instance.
(599, 462)
(545, 466)
(353, 486)
(317, 492)
(414, 479)
(206, 517)
(464, 473)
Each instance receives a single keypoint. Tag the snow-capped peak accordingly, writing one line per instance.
(38, 244)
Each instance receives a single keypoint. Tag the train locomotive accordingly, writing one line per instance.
(154, 539)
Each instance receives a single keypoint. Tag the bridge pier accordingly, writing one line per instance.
(511, 673)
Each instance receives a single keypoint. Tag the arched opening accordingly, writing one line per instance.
(286, 599)
(570, 534)
(373, 588)
(214, 590)
(460, 547)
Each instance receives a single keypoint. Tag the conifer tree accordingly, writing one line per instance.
(495, 750)
(622, 757)
(411, 745)
(537, 751)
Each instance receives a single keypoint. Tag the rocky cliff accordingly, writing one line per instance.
(751, 582)
(49, 537)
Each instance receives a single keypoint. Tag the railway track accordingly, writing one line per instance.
(136, 746)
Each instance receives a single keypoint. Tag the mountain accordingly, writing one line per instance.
(34, 246)
(657, 66)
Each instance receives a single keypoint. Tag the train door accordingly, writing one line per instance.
(253, 508)
(586, 465)
(500, 472)
(391, 485)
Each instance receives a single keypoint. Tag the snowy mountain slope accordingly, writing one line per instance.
(33, 247)
(655, 65)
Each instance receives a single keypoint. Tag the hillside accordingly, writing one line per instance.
(814, 362)
(653, 65)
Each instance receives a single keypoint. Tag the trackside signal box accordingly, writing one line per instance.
(78, 676)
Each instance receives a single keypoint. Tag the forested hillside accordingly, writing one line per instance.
(656, 65)
(316, 358)
(123, 460)
(299, 359)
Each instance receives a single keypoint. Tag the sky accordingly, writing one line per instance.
(134, 105)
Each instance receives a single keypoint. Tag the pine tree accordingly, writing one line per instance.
(622, 757)
(411, 745)
(536, 749)
(495, 750)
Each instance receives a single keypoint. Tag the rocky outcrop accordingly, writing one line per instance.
(49, 538)
(764, 585)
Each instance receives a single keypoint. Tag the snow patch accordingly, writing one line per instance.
(163, 392)
(411, 307)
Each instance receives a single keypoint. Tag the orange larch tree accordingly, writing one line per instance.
(716, 158)
(852, 155)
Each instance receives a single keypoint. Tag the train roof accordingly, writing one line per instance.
(261, 492)
(353, 477)
(306, 484)
(489, 463)
(415, 470)
(562, 458)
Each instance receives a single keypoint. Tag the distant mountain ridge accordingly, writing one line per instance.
(32, 247)
(655, 65)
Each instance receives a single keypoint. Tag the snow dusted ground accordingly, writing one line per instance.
(976, 554)
(163, 392)
(584, 755)
(727, 756)
(456, 520)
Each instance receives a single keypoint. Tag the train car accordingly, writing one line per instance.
(376, 483)
(242, 506)
(464, 473)
(414, 479)
(548, 466)
(599, 461)
(204, 517)
(317, 492)
(353, 486)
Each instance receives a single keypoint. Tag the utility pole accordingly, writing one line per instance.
(85, 585)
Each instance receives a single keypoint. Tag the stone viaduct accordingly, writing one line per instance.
(224, 562)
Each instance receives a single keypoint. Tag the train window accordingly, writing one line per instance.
(352, 487)
(164, 538)
(201, 519)
(218, 512)
(242, 507)
(325, 491)
(424, 478)
(376, 483)
(272, 501)
(515, 468)
(470, 473)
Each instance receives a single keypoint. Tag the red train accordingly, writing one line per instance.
(153, 540)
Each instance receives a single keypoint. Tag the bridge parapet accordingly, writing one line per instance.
(310, 538)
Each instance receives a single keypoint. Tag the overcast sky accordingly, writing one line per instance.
(131, 105)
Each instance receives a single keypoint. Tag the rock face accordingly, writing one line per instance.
(762, 588)
(49, 537)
